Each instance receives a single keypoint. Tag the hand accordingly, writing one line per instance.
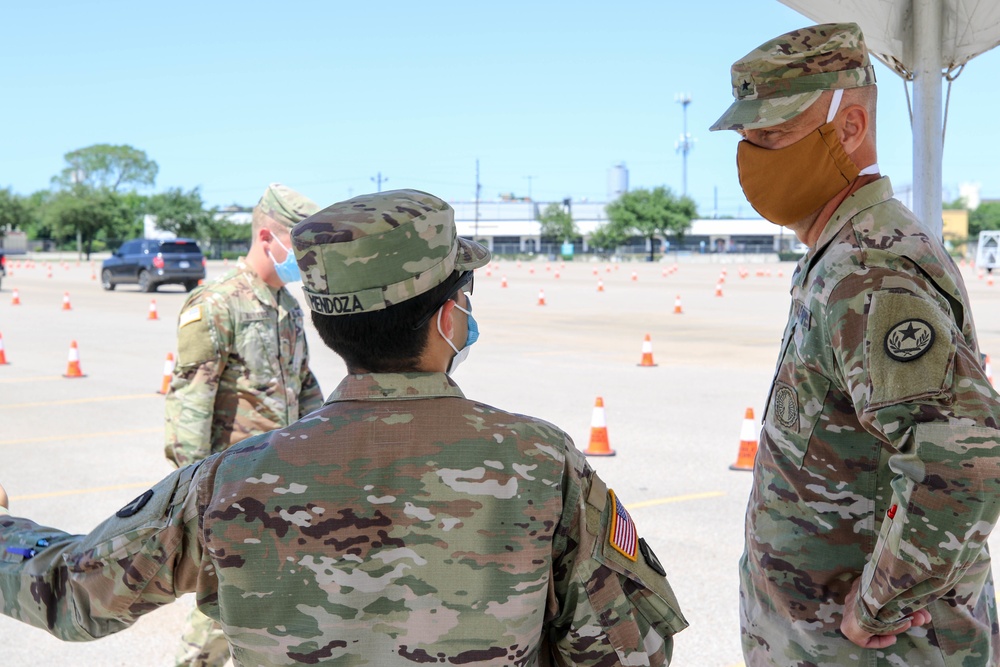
(853, 631)
(3, 498)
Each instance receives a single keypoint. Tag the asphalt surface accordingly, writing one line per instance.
(73, 451)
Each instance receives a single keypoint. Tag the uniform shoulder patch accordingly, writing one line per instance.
(623, 536)
(133, 507)
(651, 560)
(909, 340)
(190, 315)
(909, 349)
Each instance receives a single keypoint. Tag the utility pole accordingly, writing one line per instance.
(378, 180)
(479, 188)
(530, 178)
(685, 143)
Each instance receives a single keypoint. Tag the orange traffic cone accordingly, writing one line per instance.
(718, 289)
(503, 281)
(152, 311)
(541, 297)
(66, 305)
(600, 285)
(16, 299)
(599, 432)
(73, 367)
(3, 355)
(531, 270)
(596, 271)
(722, 277)
(748, 443)
(989, 281)
(168, 373)
(647, 352)
(556, 275)
(988, 368)
(678, 310)
(635, 276)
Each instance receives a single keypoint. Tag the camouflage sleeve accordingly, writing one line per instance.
(917, 385)
(606, 607)
(204, 340)
(80, 587)
(310, 396)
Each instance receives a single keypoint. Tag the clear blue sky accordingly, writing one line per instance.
(229, 96)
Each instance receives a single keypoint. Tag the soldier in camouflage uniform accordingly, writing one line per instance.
(400, 524)
(242, 368)
(875, 485)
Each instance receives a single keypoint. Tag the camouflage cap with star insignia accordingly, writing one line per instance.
(784, 76)
(377, 250)
(283, 205)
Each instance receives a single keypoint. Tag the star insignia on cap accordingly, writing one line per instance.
(746, 86)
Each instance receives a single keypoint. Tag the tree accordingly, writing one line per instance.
(107, 167)
(607, 237)
(87, 212)
(985, 217)
(14, 212)
(182, 213)
(653, 212)
(557, 223)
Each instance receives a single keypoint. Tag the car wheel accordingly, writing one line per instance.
(106, 281)
(190, 285)
(145, 284)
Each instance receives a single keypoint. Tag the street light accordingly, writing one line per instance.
(685, 143)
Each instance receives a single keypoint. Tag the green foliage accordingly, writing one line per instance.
(607, 238)
(90, 213)
(985, 218)
(107, 167)
(557, 223)
(957, 204)
(652, 213)
(182, 213)
(14, 212)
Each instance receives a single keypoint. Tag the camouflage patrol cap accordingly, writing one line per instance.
(783, 77)
(377, 250)
(283, 205)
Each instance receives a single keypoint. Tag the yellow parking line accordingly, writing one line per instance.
(71, 401)
(675, 499)
(73, 492)
(77, 436)
(38, 379)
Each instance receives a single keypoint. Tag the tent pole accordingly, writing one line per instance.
(928, 19)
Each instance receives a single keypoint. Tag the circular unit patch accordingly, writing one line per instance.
(909, 340)
(786, 407)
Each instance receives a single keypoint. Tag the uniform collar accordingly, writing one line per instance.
(259, 287)
(394, 386)
(867, 196)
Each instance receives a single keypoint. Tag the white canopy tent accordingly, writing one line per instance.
(924, 41)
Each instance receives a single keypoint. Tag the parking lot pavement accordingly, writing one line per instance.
(73, 451)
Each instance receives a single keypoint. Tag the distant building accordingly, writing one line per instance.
(617, 181)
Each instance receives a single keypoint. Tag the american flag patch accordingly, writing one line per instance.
(622, 536)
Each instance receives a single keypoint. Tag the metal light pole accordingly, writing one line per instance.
(378, 181)
(928, 142)
(685, 143)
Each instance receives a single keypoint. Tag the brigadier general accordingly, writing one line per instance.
(401, 523)
(875, 485)
(242, 368)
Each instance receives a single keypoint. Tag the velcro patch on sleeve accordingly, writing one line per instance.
(909, 347)
(190, 315)
(623, 536)
(194, 339)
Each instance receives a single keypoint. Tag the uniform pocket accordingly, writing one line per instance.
(257, 346)
(794, 407)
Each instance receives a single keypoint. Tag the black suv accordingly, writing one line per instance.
(151, 263)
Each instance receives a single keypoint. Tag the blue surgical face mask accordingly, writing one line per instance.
(287, 271)
(471, 337)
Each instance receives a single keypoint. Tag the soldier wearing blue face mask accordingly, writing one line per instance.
(243, 365)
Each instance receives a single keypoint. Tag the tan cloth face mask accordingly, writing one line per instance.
(786, 184)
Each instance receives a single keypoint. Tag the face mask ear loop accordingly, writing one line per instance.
(838, 94)
(446, 339)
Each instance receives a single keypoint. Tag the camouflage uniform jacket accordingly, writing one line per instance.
(400, 524)
(878, 457)
(242, 367)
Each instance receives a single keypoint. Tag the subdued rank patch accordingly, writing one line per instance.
(190, 315)
(622, 536)
(651, 560)
(134, 506)
(909, 340)
(786, 406)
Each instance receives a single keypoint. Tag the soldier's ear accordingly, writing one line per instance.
(853, 127)
(447, 318)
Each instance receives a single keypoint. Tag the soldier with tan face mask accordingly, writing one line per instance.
(875, 484)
